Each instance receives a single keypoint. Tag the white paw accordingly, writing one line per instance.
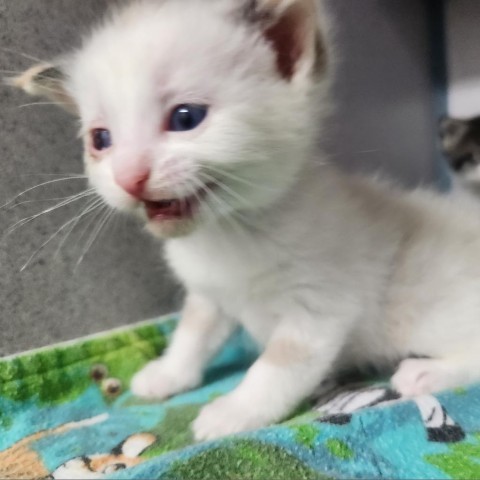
(158, 381)
(421, 376)
(226, 416)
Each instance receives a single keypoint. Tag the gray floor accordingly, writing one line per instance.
(384, 121)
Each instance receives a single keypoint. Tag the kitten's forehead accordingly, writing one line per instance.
(187, 47)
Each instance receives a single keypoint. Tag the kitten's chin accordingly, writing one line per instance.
(174, 228)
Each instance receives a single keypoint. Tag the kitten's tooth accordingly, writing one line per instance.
(166, 204)
(177, 209)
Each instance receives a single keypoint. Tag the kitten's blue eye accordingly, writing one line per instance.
(187, 117)
(101, 139)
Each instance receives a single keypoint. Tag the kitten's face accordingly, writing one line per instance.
(461, 144)
(196, 111)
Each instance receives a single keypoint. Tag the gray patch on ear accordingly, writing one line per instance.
(252, 13)
(48, 75)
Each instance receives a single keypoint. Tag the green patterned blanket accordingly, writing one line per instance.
(66, 412)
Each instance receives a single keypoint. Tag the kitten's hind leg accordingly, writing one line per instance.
(420, 376)
(201, 332)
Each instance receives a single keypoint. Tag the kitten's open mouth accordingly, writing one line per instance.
(176, 208)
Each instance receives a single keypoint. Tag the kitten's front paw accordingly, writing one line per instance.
(158, 381)
(226, 416)
(420, 376)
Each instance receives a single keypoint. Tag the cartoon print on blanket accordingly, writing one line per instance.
(22, 461)
(338, 410)
(125, 455)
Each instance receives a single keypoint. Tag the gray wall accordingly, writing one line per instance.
(384, 120)
(463, 37)
(385, 114)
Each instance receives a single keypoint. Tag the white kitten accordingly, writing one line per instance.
(201, 116)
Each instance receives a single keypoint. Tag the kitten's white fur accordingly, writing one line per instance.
(324, 270)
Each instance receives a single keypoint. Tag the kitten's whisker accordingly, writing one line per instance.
(58, 91)
(214, 219)
(319, 164)
(11, 72)
(63, 227)
(57, 180)
(23, 54)
(41, 104)
(232, 176)
(232, 212)
(220, 201)
(226, 189)
(64, 175)
(26, 202)
(27, 220)
(224, 214)
(96, 232)
(107, 213)
(235, 218)
(88, 225)
(51, 81)
(198, 185)
(40, 200)
(239, 222)
(91, 207)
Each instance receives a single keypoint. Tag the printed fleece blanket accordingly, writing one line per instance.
(66, 412)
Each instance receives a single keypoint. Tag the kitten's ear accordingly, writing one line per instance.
(292, 28)
(46, 80)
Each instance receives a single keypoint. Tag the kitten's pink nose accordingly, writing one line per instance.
(133, 182)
